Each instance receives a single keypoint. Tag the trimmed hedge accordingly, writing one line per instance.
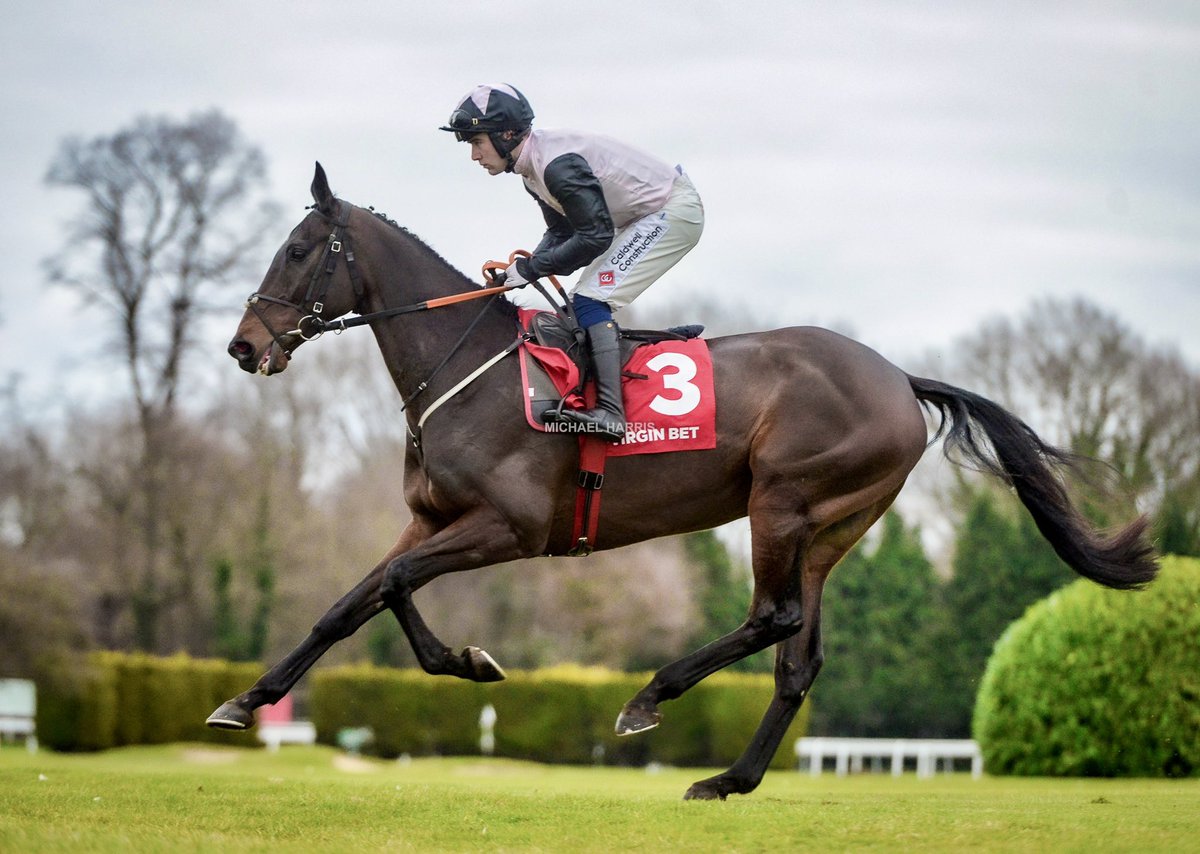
(562, 715)
(1098, 682)
(108, 699)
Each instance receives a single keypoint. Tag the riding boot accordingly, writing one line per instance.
(607, 420)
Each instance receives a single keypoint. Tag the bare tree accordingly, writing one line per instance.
(170, 208)
(1089, 383)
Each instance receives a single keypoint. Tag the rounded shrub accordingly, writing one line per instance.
(548, 715)
(1098, 682)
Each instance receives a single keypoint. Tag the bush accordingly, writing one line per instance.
(563, 714)
(1098, 682)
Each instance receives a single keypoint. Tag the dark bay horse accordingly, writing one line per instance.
(816, 436)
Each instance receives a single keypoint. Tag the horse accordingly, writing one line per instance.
(816, 435)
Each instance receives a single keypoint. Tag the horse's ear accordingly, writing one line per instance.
(320, 191)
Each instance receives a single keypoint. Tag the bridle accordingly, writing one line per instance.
(318, 285)
(311, 325)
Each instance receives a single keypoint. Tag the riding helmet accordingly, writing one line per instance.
(492, 110)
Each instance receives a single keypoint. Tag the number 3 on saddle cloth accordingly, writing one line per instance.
(667, 385)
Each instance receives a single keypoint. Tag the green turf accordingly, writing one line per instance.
(193, 798)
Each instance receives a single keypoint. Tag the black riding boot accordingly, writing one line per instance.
(607, 420)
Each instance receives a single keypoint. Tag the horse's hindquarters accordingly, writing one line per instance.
(807, 420)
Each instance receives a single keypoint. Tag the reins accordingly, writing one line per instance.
(492, 271)
(339, 325)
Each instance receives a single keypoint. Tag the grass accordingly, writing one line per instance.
(193, 798)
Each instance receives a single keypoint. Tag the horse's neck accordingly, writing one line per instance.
(414, 345)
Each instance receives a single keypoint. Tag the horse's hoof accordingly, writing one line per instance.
(635, 719)
(230, 716)
(711, 789)
(482, 667)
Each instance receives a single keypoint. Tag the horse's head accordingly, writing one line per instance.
(307, 282)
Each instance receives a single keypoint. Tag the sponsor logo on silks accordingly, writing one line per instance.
(606, 282)
(625, 257)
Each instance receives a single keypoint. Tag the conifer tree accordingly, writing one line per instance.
(1001, 566)
(878, 608)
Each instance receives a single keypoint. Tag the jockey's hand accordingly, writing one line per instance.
(515, 276)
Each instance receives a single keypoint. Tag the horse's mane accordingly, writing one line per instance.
(500, 301)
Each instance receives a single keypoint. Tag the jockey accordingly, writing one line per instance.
(623, 216)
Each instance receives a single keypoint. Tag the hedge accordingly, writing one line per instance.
(1097, 682)
(562, 715)
(108, 699)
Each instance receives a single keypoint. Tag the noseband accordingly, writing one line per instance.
(318, 285)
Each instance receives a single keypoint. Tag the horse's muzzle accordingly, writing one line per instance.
(243, 351)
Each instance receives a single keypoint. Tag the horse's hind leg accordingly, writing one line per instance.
(797, 659)
(779, 540)
(797, 662)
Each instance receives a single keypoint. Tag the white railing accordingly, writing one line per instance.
(18, 706)
(16, 726)
(849, 754)
(287, 732)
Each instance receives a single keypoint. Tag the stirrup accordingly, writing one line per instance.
(558, 412)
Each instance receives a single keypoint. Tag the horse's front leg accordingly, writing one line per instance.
(339, 622)
(481, 537)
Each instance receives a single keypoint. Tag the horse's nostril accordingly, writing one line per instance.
(241, 349)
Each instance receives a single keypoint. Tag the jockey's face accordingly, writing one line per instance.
(485, 154)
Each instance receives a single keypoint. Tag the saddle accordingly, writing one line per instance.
(552, 329)
(552, 384)
(554, 369)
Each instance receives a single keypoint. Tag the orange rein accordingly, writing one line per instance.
(492, 271)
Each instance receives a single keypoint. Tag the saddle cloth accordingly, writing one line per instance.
(667, 387)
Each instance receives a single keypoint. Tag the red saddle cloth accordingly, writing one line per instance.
(667, 387)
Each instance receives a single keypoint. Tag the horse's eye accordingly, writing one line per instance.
(296, 253)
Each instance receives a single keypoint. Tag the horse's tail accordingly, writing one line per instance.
(1123, 560)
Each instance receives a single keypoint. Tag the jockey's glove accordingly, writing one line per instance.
(517, 274)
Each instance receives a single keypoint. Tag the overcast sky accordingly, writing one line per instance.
(902, 171)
